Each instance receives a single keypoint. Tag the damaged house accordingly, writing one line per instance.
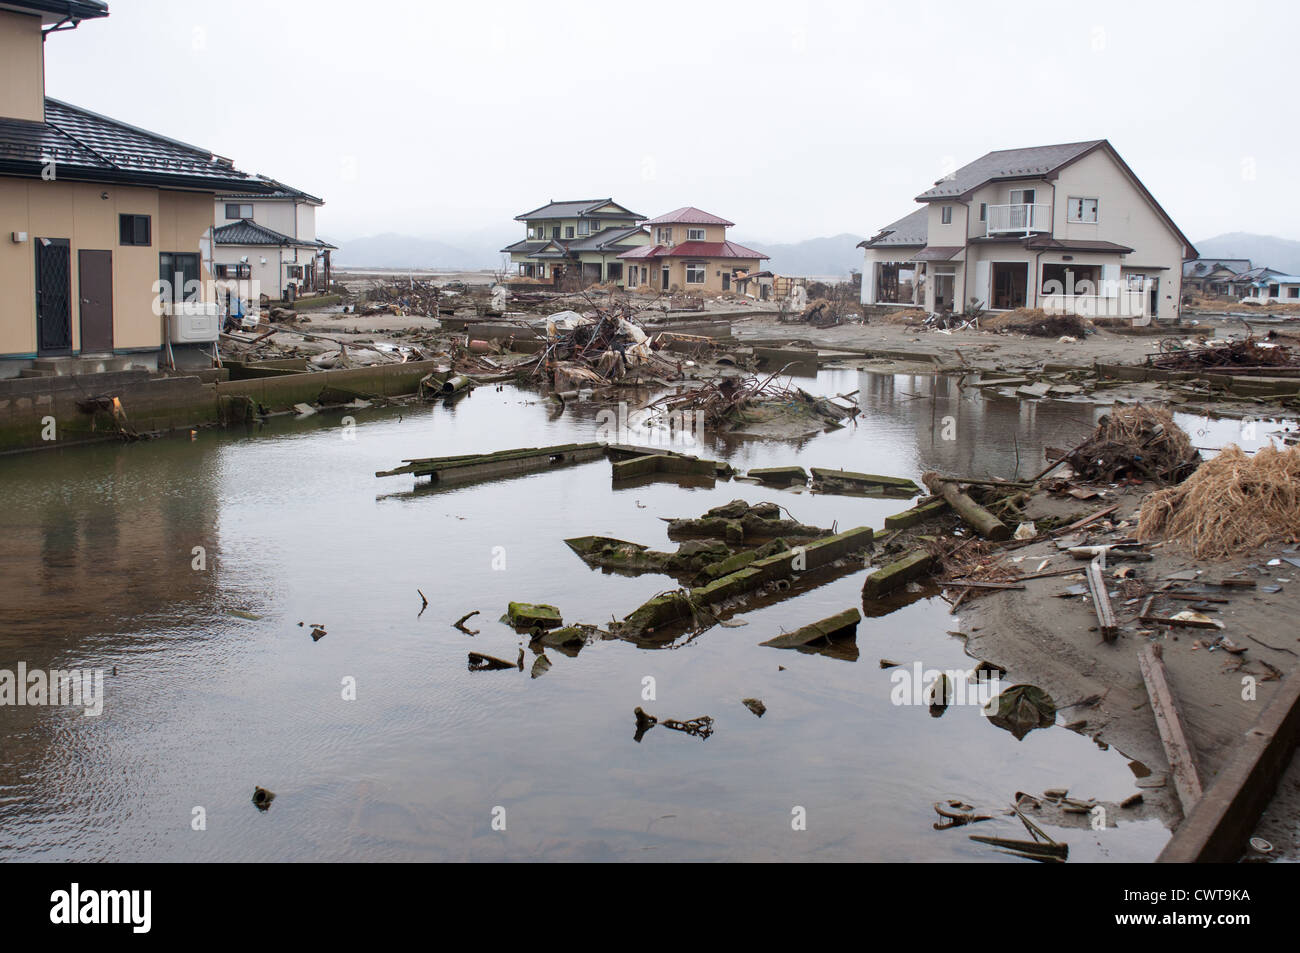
(271, 239)
(580, 238)
(690, 252)
(1066, 228)
(97, 217)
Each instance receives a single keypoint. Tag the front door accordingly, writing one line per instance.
(726, 281)
(1010, 282)
(664, 277)
(1154, 284)
(53, 296)
(95, 281)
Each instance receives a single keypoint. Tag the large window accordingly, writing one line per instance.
(240, 270)
(133, 229)
(1022, 196)
(695, 234)
(1082, 210)
(695, 273)
(663, 236)
(236, 211)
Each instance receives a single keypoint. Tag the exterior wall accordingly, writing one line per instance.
(952, 234)
(1124, 216)
(79, 212)
(999, 193)
(22, 67)
(268, 277)
(712, 233)
(297, 219)
(713, 269)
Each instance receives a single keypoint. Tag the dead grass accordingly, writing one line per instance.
(1232, 504)
(901, 316)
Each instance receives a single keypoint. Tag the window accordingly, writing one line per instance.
(234, 271)
(595, 225)
(695, 234)
(568, 231)
(295, 271)
(1293, 292)
(984, 211)
(695, 273)
(180, 274)
(583, 227)
(946, 215)
(663, 236)
(133, 229)
(1022, 196)
(236, 211)
(555, 231)
(1082, 210)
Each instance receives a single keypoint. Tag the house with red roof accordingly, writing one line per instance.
(689, 252)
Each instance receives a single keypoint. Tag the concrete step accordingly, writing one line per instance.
(85, 364)
(34, 372)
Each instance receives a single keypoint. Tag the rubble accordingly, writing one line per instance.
(1135, 443)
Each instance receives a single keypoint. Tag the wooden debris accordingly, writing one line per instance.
(983, 522)
(1182, 762)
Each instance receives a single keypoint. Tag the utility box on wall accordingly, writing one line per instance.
(194, 322)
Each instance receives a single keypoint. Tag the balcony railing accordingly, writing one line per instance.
(1004, 219)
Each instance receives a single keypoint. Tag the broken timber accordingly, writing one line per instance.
(984, 522)
(1101, 601)
(1182, 763)
(486, 466)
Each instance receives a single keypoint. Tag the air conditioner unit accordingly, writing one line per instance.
(194, 322)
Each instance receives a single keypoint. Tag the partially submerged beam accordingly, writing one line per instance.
(829, 481)
(485, 466)
(1182, 762)
(897, 574)
(980, 519)
(826, 630)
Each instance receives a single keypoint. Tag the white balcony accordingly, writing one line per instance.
(1019, 219)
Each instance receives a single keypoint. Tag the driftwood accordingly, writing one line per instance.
(1101, 601)
(984, 522)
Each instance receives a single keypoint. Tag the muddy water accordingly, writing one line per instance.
(218, 688)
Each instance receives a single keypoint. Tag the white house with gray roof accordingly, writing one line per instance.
(1066, 228)
(270, 238)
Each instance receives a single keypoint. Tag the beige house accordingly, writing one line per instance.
(689, 252)
(1066, 228)
(94, 215)
(577, 238)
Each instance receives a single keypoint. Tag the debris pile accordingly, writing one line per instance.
(1247, 354)
(731, 402)
(409, 296)
(1136, 443)
(1231, 504)
(1037, 323)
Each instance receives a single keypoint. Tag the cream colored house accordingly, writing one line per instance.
(95, 215)
(578, 238)
(1066, 228)
(270, 240)
(690, 253)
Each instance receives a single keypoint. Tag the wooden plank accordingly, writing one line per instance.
(976, 584)
(1182, 763)
(1101, 601)
(1080, 524)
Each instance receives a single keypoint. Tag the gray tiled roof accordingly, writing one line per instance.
(1203, 266)
(88, 147)
(245, 232)
(1007, 164)
(279, 191)
(605, 239)
(574, 208)
(911, 229)
(52, 10)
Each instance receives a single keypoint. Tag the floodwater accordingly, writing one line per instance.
(195, 570)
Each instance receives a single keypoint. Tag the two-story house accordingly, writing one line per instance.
(96, 217)
(580, 238)
(690, 252)
(1066, 228)
(1213, 275)
(270, 239)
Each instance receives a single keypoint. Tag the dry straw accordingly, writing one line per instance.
(1232, 504)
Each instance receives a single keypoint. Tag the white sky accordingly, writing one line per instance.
(793, 119)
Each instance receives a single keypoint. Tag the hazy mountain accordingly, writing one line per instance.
(1262, 250)
(823, 257)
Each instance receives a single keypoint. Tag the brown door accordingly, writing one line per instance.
(96, 282)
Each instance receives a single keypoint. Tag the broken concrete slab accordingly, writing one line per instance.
(486, 466)
(917, 514)
(835, 481)
(779, 476)
(897, 574)
(527, 615)
(837, 626)
(663, 464)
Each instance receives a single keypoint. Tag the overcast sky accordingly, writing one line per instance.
(795, 120)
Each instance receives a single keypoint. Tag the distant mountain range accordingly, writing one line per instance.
(821, 257)
(1281, 254)
(834, 256)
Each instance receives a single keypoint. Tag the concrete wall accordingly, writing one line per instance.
(712, 233)
(22, 67)
(87, 215)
